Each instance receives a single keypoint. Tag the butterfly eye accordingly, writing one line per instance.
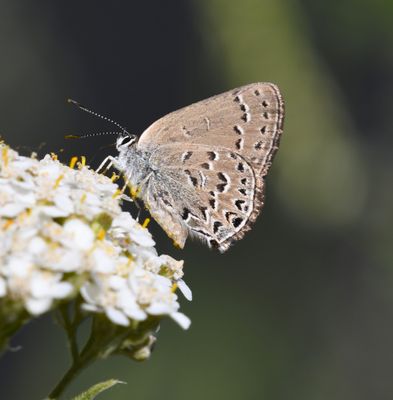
(125, 141)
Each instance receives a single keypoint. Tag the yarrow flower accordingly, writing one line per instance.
(64, 237)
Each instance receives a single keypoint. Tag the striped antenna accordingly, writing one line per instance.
(83, 108)
(91, 134)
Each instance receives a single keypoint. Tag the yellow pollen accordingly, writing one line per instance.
(134, 192)
(174, 287)
(57, 182)
(4, 155)
(146, 222)
(83, 161)
(83, 197)
(53, 156)
(101, 234)
(114, 177)
(8, 223)
(117, 193)
(73, 161)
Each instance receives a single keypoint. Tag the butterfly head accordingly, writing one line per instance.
(125, 140)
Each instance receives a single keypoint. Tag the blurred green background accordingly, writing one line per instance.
(302, 307)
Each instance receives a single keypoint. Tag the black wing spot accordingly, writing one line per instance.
(236, 99)
(212, 203)
(237, 129)
(187, 155)
(222, 177)
(240, 167)
(186, 131)
(221, 187)
(237, 221)
(242, 191)
(258, 146)
(186, 213)
(205, 165)
(216, 226)
(239, 204)
(228, 215)
(233, 155)
(213, 243)
(204, 212)
(238, 144)
(187, 172)
(257, 93)
(243, 181)
(243, 107)
(194, 181)
(265, 115)
(212, 155)
(244, 117)
(263, 130)
(265, 103)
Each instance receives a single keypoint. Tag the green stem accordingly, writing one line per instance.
(75, 369)
(79, 361)
(70, 329)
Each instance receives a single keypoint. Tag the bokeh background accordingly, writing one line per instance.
(302, 308)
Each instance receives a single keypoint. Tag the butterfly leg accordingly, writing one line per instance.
(111, 160)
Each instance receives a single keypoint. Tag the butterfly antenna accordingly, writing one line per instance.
(91, 135)
(83, 108)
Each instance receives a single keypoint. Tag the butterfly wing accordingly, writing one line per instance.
(209, 194)
(247, 120)
(223, 147)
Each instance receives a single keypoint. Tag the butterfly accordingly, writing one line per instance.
(200, 170)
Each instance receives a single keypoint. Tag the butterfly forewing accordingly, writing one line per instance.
(247, 120)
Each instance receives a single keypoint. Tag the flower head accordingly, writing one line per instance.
(63, 235)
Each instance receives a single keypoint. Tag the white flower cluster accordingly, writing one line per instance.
(63, 234)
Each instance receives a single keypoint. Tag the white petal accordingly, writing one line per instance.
(142, 237)
(184, 289)
(82, 237)
(11, 210)
(135, 313)
(62, 290)
(53, 211)
(117, 316)
(40, 286)
(102, 262)
(181, 319)
(90, 307)
(159, 309)
(90, 292)
(64, 203)
(37, 245)
(123, 221)
(38, 306)
(117, 282)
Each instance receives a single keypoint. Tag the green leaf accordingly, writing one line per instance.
(95, 390)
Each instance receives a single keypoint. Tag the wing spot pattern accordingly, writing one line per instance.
(258, 145)
(212, 155)
(186, 156)
(238, 129)
(239, 144)
(216, 226)
(239, 204)
(237, 221)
